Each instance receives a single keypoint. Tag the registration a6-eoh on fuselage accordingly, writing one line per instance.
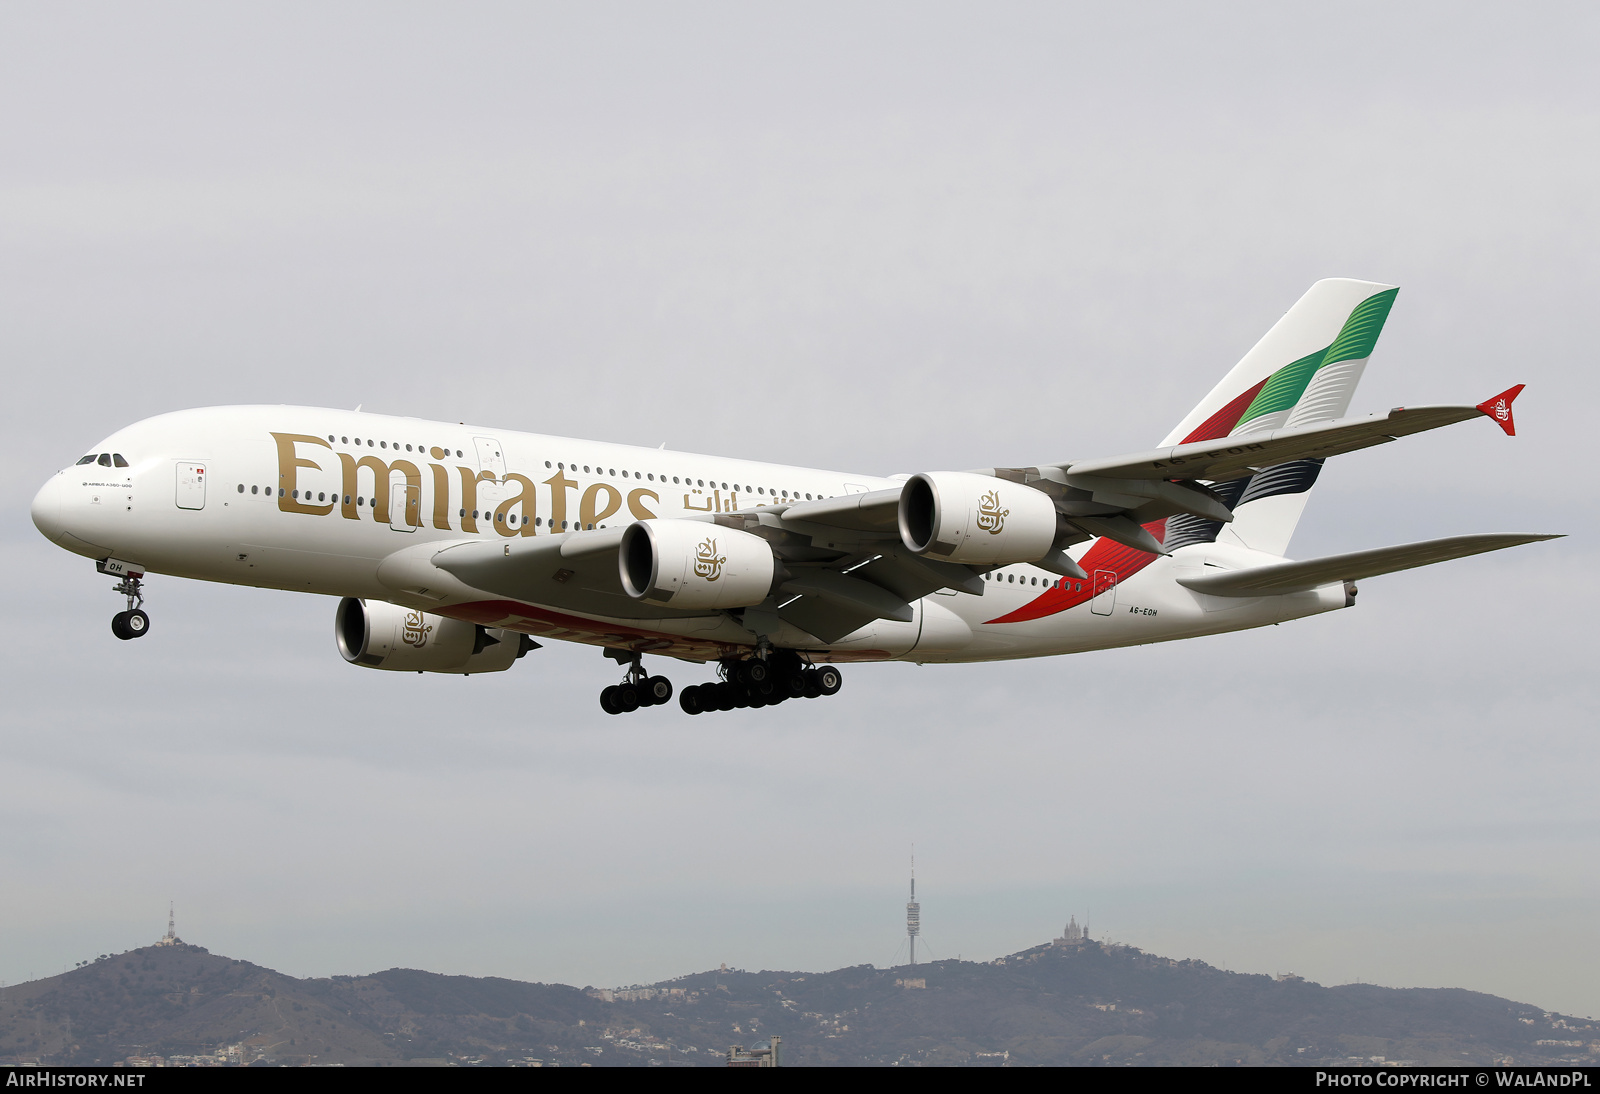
(452, 548)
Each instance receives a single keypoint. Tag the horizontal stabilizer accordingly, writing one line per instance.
(1293, 577)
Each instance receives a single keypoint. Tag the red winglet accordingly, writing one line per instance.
(1499, 408)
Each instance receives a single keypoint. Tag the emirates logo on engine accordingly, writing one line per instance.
(707, 563)
(991, 518)
(414, 630)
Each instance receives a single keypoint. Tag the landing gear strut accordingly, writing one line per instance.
(133, 623)
(762, 682)
(636, 690)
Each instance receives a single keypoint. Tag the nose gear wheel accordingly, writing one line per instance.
(132, 623)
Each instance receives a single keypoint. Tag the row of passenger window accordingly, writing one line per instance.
(436, 452)
(439, 453)
(361, 501)
(763, 491)
(1012, 579)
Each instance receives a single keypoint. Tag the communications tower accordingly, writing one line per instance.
(171, 937)
(913, 911)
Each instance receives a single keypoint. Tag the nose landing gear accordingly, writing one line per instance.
(133, 623)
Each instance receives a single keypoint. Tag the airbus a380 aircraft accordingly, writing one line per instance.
(452, 547)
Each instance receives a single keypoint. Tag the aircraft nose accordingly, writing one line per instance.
(47, 509)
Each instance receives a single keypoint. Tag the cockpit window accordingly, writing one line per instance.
(87, 459)
(116, 458)
(104, 460)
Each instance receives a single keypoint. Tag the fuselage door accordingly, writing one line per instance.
(1105, 592)
(405, 507)
(191, 486)
(490, 457)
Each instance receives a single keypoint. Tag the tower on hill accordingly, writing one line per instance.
(171, 937)
(913, 911)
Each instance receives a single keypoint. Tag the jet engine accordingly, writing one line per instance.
(376, 635)
(691, 564)
(975, 519)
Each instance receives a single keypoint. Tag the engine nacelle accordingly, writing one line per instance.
(695, 565)
(377, 635)
(975, 519)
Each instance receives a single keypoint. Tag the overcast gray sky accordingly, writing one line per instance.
(889, 237)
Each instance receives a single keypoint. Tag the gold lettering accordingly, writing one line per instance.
(588, 517)
(381, 474)
(559, 484)
(441, 496)
(289, 465)
(636, 505)
(527, 496)
(469, 496)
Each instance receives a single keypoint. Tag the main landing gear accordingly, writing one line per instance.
(133, 623)
(636, 690)
(758, 682)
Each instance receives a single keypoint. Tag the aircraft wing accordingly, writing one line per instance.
(1292, 577)
(842, 562)
(833, 579)
(1235, 457)
(574, 571)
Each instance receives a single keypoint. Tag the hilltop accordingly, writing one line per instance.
(1088, 1004)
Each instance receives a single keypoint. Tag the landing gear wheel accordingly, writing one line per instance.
(627, 698)
(130, 624)
(608, 700)
(829, 679)
(689, 700)
(813, 687)
(657, 689)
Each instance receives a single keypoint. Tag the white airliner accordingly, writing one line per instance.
(452, 547)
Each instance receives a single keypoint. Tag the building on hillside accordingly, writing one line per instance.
(762, 1054)
(1073, 935)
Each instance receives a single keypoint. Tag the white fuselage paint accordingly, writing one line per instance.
(178, 509)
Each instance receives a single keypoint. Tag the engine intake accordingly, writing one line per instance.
(695, 565)
(377, 635)
(975, 519)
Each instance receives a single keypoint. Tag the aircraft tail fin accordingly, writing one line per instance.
(1303, 371)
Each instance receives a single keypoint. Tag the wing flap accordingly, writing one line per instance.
(1293, 577)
